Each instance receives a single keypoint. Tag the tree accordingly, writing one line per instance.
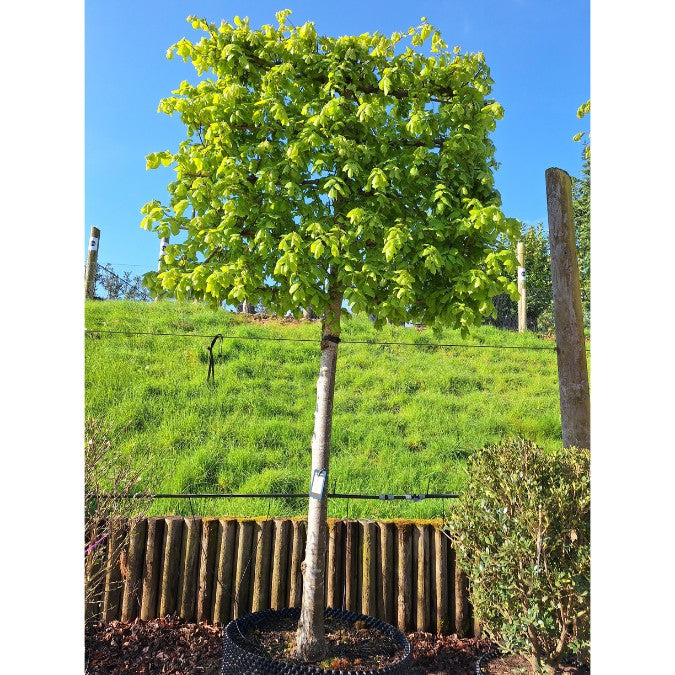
(581, 201)
(323, 171)
(117, 287)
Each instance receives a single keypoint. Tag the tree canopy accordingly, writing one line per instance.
(357, 159)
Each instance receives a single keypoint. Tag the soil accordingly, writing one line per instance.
(512, 664)
(172, 646)
(348, 644)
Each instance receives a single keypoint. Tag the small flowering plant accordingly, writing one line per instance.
(521, 530)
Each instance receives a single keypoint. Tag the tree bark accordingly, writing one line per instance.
(310, 635)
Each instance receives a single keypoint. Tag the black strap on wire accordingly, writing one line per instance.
(211, 375)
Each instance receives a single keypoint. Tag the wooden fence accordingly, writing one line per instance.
(210, 569)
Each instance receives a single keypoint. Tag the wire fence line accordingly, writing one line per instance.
(423, 345)
(272, 495)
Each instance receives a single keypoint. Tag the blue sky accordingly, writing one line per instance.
(538, 53)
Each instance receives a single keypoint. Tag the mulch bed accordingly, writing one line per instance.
(172, 646)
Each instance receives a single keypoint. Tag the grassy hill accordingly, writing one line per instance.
(404, 417)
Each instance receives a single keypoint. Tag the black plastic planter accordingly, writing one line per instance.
(240, 656)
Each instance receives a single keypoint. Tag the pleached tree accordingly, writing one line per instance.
(323, 172)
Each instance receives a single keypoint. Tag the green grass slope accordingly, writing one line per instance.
(404, 418)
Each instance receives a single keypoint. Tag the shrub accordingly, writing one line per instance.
(521, 530)
(108, 517)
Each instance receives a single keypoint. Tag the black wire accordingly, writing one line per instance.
(211, 375)
(304, 495)
(348, 342)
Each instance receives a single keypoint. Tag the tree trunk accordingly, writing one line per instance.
(310, 636)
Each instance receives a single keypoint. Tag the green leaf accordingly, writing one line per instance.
(180, 207)
(316, 248)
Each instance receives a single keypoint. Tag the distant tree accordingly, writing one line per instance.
(539, 291)
(323, 170)
(581, 198)
(120, 287)
(110, 283)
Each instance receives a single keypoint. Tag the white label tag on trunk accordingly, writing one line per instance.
(93, 244)
(521, 273)
(318, 484)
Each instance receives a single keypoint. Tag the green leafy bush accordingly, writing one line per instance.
(521, 530)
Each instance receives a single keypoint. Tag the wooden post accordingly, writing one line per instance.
(441, 580)
(522, 306)
(422, 581)
(243, 570)
(92, 263)
(152, 568)
(404, 606)
(368, 565)
(207, 564)
(261, 574)
(297, 553)
(187, 606)
(131, 597)
(171, 550)
(115, 562)
(575, 405)
(335, 567)
(222, 603)
(351, 566)
(387, 574)
(163, 243)
(282, 546)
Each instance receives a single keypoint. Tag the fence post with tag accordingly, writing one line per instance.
(92, 263)
(522, 306)
(163, 243)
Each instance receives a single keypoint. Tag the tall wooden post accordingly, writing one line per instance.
(575, 404)
(92, 263)
(522, 306)
(163, 243)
